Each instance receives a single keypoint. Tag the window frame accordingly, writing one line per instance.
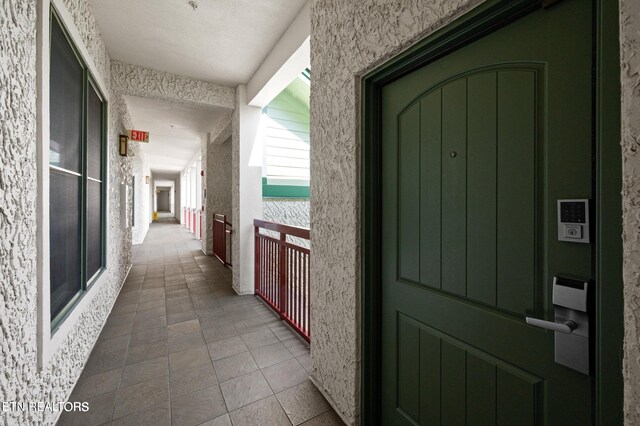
(53, 332)
(88, 83)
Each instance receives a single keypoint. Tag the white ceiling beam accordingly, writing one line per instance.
(289, 56)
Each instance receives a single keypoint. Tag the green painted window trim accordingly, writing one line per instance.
(88, 82)
(284, 191)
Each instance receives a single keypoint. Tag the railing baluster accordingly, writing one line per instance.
(299, 290)
(282, 274)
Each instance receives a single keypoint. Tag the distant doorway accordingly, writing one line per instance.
(164, 200)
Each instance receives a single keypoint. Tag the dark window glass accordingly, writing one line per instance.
(66, 81)
(64, 242)
(133, 201)
(94, 227)
(76, 215)
(94, 134)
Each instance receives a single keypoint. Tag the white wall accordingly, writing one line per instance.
(246, 156)
(140, 170)
(23, 91)
(218, 183)
(348, 38)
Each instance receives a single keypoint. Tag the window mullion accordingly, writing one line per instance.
(103, 185)
(85, 208)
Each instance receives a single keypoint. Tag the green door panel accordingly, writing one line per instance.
(477, 147)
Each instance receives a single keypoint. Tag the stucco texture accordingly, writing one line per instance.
(630, 61)
(218, 177)
(290, 211)
(347, 40)
(146, 82)
(216, 162)
(18, 298)
(22, 380)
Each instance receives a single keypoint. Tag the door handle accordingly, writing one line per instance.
(566, 327)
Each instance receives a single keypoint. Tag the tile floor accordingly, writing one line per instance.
(182, 348)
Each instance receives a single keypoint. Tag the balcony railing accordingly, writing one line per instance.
(282, 273)
(221, 239)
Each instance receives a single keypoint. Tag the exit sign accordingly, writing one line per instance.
(139, 136)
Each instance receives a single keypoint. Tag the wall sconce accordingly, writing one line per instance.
(146, 180)
(122, 146)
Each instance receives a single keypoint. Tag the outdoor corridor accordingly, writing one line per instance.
(180, 347)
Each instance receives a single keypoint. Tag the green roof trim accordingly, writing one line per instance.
(284, 191)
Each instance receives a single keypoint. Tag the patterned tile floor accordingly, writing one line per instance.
(182, 348)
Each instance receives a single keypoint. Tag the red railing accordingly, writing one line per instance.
(282, 273)
(221, 241)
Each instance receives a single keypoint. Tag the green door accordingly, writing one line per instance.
(477, 147)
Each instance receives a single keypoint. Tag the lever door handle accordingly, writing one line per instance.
(566, 327)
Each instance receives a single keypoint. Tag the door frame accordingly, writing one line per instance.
(482, 20)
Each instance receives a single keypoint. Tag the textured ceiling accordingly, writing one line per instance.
(223, 41)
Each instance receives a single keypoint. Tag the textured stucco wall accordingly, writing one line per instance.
(290, 211)
(146, 82)
(348, 39)
(221, 134)
(18, 202)
(235, 189)
(21, 379)
(630, 61)
(218, 186)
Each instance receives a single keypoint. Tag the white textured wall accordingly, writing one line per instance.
(20, 379)
(133, 80)
(218, 177)
(18, 203)
(219, 135)
(630, 57)
(348, 38)
(290, 211)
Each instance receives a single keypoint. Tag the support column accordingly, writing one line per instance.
(246, 188)
(218, 182)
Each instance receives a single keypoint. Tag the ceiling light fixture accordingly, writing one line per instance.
(193, 4)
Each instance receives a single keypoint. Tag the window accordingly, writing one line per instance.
(76, 173)
(133, 201)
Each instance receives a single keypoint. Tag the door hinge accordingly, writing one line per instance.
(546, 4)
